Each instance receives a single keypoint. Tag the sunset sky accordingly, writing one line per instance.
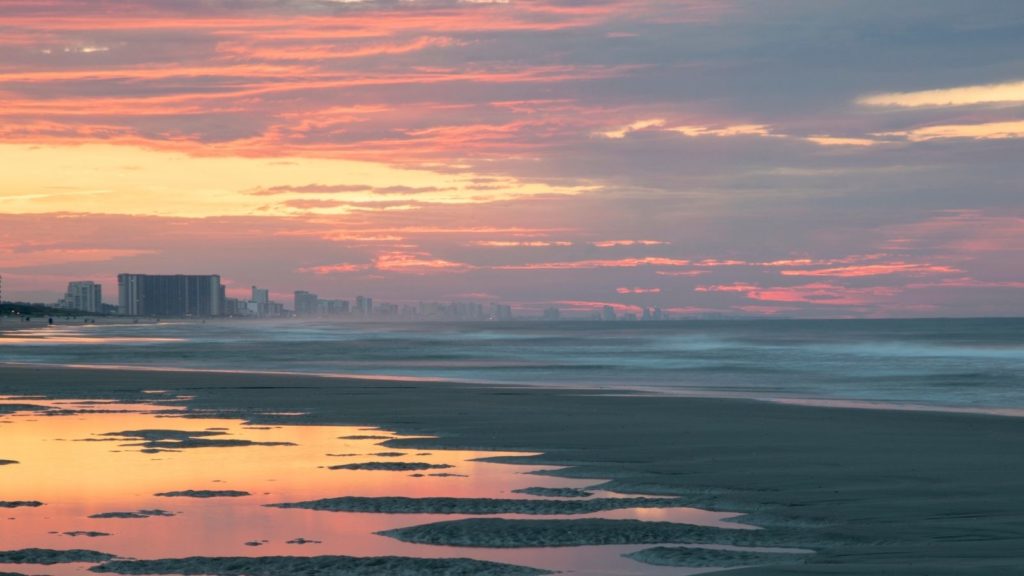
(807, 158)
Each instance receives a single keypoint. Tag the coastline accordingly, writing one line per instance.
(887, 491)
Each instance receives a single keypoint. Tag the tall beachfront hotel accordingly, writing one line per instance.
(170, 295)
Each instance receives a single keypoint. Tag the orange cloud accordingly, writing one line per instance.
(1013, 129)
(415, 263)
(38, 257)
(521, 243)
(1008, 92)
(333, 269)
(638, 290)
(321, 52)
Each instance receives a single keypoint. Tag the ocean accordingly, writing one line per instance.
(949, 364)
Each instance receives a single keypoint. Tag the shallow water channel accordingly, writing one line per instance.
(82, 459)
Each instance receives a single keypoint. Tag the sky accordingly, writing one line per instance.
(794, 158)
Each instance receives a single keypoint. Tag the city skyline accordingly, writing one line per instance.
(708, 157)
(204, 296)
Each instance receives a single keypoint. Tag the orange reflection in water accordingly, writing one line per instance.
(66, 462)
(70, 335)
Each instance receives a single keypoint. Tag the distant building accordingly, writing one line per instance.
(307, 303)
(261, 306)
(608, 313)
(501, 312)
(552, 313)
(332, 308)
(173, 296)
(364, 306)
(387, 310)
(84, 296)
(235, 307)
(260, 295)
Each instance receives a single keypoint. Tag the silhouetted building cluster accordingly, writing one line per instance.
(83, 296)
(181, 296)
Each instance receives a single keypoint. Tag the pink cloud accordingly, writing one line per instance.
(874, 270)
(681, 273)
(614, 243)
(814, 293)
(592, 264)
(638, 290)
(592, 305)
(333, 269)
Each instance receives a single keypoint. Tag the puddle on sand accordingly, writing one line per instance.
(67, 460)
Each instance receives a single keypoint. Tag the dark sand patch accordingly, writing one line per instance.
(316, 566)
(132, 515)
(86, 533)
(49, 557)
(389, 454)
(554, 492)
(303, 541)
(706, 558)
(255, 543)
(160, 440)
(448, 475)
(393, 466)
(365, 437)
(204, 494)
(442, 505)
(14, 408)
(20, 503)
(501, 533)
(7, 462)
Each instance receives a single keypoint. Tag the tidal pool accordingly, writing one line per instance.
(143, 481)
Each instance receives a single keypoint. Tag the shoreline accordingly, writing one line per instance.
(886, 491)
(670, 392)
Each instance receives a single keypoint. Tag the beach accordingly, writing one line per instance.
(870, 491)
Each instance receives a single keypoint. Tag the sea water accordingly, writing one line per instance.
(958, 364)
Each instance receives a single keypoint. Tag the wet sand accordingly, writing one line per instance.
(878, 491)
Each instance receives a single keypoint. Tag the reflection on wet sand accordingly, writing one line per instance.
(142, 482)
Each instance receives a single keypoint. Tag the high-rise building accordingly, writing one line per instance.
(364, 306)
(306, 303)
(85, 296)
(501, 312)
(332, 307)
(260, 295)
(166, 295)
